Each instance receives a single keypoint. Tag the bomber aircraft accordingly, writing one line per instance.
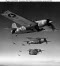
(26, 26)
(34, 51)
(36, 40)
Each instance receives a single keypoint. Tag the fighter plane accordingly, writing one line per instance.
(36, 40)
(25, 25)
(34, 51)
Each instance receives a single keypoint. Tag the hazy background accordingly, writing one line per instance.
(32, 11)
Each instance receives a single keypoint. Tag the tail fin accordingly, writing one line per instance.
(14, 25)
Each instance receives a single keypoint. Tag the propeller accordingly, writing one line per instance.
(41, 50)
(47, 42)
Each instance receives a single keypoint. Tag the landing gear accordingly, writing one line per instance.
(13, 31)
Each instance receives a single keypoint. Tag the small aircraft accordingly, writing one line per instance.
(14, 43)
(20, 51)
(23, 44)
(36, 40)
(34, 51)
(19, 55)
(26, 26)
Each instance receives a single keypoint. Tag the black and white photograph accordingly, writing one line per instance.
(29, 33)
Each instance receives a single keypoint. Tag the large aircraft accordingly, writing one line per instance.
(34, 51)
(36, 40)
(26, 26)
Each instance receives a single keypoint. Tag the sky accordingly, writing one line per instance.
(31, 11)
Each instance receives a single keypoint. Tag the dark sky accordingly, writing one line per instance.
(32, 11)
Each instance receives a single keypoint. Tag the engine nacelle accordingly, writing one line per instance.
(41, 22)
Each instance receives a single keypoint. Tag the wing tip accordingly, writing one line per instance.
(5, 12)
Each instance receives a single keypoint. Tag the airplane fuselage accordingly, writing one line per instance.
(36, 42)
(25, 25)
(26, 30)
(21, 31)
(36, 28)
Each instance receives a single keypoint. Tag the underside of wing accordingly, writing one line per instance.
(18, 19)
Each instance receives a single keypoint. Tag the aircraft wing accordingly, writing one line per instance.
(18, 19)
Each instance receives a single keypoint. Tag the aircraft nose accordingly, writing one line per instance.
(49, 20)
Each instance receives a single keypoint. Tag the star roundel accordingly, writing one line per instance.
(11, 15)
